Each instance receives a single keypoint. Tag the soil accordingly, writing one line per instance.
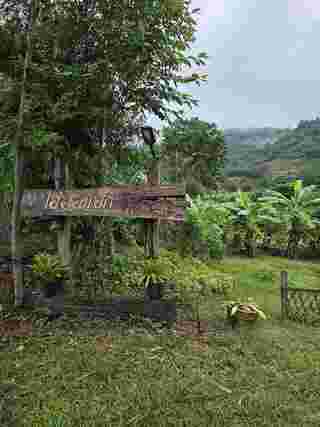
(15, 328)
(191, 327)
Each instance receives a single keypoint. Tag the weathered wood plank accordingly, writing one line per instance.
(178, 190)
(106, 201)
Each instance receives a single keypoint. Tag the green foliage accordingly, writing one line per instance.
(40, 137)
(120, 273)
(127, 166)
(245, 147)
(299, 208)
(297, 144)
(311, 241)
(62, 96)
(194, 151)
(196, 282)
(245, 157)
(49, 268)
(250, 214)
(311, 172)
(186, 270)
(281, 185)
(128, 273)
(7, 162)
(134, 273)
(208, 219)
(297, 211)
(156, 271)
(56, 421)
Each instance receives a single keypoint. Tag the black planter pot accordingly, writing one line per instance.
(154, 291)
(51, 289)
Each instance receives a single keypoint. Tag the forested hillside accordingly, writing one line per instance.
(246, 146)
(274, 152)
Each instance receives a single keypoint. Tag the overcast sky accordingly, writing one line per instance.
(264, 63)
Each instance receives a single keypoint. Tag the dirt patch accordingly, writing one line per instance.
(104, 343)
(191, 327)
(15, 328)
(200, 343)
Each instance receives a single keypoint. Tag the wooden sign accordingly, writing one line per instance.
(142, 201)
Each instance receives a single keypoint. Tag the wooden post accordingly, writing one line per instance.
(108, 223)
(284, 295)
(151, 237)
(62, 181)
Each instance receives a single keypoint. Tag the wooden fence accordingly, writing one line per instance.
(299, 304)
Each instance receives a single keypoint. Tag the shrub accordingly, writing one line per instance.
(191, 270)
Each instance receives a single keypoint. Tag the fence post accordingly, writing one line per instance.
(284, 295)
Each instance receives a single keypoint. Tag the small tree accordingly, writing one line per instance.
(195, 152)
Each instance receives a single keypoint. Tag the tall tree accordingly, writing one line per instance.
(19, 143)
(78, 81)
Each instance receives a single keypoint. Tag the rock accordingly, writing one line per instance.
(54, 304)
(278, 252)
(32, 297)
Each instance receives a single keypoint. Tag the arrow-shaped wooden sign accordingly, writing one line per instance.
(140, 201)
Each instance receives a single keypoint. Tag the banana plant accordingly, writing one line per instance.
(251, 215)
(298, 210)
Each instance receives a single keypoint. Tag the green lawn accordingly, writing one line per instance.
(266, 374)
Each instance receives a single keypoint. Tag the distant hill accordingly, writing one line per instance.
(309, 124)
(272, 152)
(255, 136)
(300, 143)
(246, 146)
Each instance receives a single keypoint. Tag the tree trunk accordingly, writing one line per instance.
(16, 243)
(266, 244)
(251, 244)
(107, 220)
(108, 232)
(294, 238)
(16, 237)
(252, 249)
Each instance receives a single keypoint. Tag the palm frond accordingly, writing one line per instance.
(313, 202)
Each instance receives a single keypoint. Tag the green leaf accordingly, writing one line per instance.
(234, 310)
(261, 314)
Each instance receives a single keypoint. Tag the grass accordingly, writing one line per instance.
(266, 374)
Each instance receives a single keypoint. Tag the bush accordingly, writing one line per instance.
(191, 270)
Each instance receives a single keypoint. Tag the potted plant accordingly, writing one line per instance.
(248, 311)
(51, 273)
(155, 274)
